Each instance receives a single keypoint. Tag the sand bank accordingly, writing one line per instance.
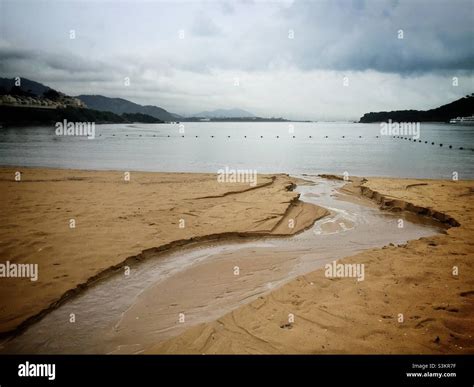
(116, 222)
(415, 298)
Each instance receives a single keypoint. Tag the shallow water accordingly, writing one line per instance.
(126, 314)
(147, 147)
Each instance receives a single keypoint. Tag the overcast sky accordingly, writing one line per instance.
(313, 60)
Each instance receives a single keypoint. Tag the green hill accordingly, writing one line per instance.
(460, 108)
(18, 115)
(120, 106)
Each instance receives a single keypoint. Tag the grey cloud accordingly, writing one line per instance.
(9, 53)
(226, 6)
(436, 35)
(15, 60)
(248, 40)
(205, 26)
(332, 35)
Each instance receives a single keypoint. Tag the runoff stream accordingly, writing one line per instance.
(164, 295)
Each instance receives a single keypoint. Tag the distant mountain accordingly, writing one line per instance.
(28, 86)
(120, 106)
(143, 118)
(21, 115)
(177, 117)
(460, 108)
(18, 115)
(224, 113)
(32, 102)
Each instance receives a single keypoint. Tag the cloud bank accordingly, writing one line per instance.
(301, 59)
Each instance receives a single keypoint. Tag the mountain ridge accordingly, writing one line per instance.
(121, 106)
(224, 113)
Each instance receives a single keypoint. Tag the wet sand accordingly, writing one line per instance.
(119, 222)
(168, 293)
(416, 298)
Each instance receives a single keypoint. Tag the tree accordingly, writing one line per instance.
(51, 94)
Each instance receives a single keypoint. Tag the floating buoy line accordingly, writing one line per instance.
(441, 145)
(432, 143)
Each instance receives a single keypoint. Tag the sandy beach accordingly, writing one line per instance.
(118, 222)
(416, 298)
(290, 181)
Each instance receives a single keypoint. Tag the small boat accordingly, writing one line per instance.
(462, 120)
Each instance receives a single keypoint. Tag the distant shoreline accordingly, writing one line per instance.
(459, 108)
(14, 115)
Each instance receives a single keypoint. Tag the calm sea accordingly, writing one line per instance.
(294, 148)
